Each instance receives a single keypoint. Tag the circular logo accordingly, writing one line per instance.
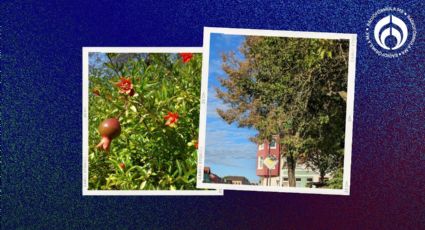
(390, 32)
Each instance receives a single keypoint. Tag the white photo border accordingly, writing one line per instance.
(85, 165)
(349, 109)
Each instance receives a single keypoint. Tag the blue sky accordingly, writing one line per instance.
(228, 150)
(97, 59)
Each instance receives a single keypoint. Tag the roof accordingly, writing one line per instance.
(241, 178)
(214, 178)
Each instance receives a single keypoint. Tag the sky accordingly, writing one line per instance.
(96, 59)
(228, 151)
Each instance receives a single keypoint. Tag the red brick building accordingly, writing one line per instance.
(275, 176)
(264, 151)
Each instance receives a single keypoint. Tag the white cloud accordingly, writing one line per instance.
(227, 144)
(213, 104)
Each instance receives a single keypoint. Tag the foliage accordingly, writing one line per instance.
(150, 153)
(336, 181)
(289, 87)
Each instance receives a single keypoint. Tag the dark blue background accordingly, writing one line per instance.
(41, 68)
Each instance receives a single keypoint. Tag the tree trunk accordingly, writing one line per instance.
(290, 161)
(322, 177)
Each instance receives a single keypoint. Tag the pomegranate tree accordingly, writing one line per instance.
(151, 101)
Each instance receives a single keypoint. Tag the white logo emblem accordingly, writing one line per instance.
(400, 35)
(391, 37)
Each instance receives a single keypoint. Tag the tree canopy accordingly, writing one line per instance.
(291, 87)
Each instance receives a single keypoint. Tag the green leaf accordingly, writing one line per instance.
(322, 54)
(133, 108)
(179, 167)
(142, 185)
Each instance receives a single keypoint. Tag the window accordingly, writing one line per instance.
(298, 179)
(273, 144)
(310, 179)
(261, 147)
(260, 162)
(285, 179)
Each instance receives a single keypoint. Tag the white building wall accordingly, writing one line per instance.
(303, 175)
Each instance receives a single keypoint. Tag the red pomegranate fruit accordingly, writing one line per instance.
(108, 130)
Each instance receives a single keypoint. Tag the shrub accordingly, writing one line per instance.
(155, 97)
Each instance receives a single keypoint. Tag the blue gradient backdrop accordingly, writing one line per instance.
(41, 68)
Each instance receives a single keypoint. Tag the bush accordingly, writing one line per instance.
(156, 99)
(336, 181)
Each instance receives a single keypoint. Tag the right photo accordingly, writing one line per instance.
(279, 111)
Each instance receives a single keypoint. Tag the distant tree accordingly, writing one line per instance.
(281, 86)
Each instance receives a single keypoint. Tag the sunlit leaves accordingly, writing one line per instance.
(155, 156)
(291, 87)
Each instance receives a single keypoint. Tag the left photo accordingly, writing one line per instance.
(141, 120)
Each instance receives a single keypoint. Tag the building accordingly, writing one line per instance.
(268, 152)
(238, 180)
(304, 176)
(273, 171)
(210, 177)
